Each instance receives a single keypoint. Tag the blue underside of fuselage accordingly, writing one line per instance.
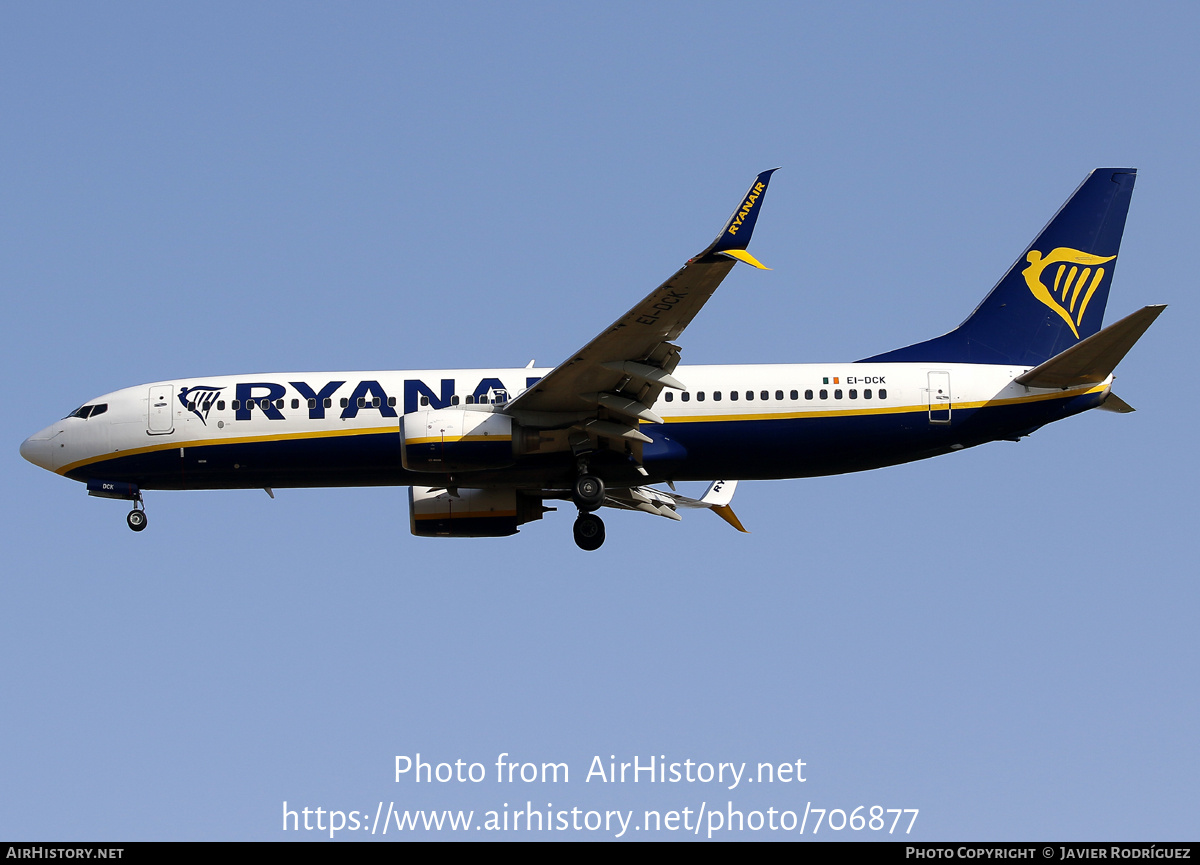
(733, 450)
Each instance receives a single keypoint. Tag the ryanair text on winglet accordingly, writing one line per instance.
(746, 208)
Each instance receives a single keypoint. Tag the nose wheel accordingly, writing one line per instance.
(136, 519)
(589, 532)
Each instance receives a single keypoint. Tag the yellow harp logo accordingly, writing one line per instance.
(1064, 296)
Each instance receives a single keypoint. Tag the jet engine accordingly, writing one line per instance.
(490, 513)
(455, 440)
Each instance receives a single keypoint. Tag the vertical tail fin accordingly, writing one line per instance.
(1054, 294)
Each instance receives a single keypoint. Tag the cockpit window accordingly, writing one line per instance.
(86, 411)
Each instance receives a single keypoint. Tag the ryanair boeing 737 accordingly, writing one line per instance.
(483, 450)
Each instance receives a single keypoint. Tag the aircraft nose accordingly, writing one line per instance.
(37, 448)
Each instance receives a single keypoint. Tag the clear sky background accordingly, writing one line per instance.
(1003, 638)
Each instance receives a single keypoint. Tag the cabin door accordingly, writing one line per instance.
(939, 397)
(159, 412)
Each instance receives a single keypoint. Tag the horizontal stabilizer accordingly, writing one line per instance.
(1112, 402)
(1092, 360)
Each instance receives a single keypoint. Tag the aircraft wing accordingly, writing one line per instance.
(610, 383)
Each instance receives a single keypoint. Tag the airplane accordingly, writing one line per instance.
(483, 450)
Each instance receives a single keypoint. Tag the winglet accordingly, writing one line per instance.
(717, 499)
(735, 236)
(742, 255)
(726, 513)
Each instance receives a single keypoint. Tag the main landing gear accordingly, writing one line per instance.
(588, 495)
(589, 532)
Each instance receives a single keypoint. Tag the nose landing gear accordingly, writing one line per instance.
(136, 519)
(124, 491)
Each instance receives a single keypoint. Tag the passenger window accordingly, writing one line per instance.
(733, 395)
(716, 396)
(220, 405)
(669, 396)
(453, 400)
(362, 402)
(470, 400)
(328, 402)
(278, 403)
(375, 402)
(392, 401)
(295, 403)
(824, 394)
(191, 405)
(312, 403)
(206, 406)
(700, 396)
(765, 395)
(346, 401)
(749, 394)
(883, 393)
(778, 394)
(685, 396)
(853, 394)
(808, 394)
(237, 405)
(867, 393)
(837, 394)
(795, 396)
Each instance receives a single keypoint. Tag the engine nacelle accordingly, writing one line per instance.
(436, 512)
(455, 440)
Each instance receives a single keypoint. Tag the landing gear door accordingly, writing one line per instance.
(159, 411)
(939, 397)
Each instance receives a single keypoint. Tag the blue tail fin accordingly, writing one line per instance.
(1055, 293)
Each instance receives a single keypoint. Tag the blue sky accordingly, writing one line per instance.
(1001, 638)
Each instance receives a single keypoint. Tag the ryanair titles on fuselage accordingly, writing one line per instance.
(367, 394)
